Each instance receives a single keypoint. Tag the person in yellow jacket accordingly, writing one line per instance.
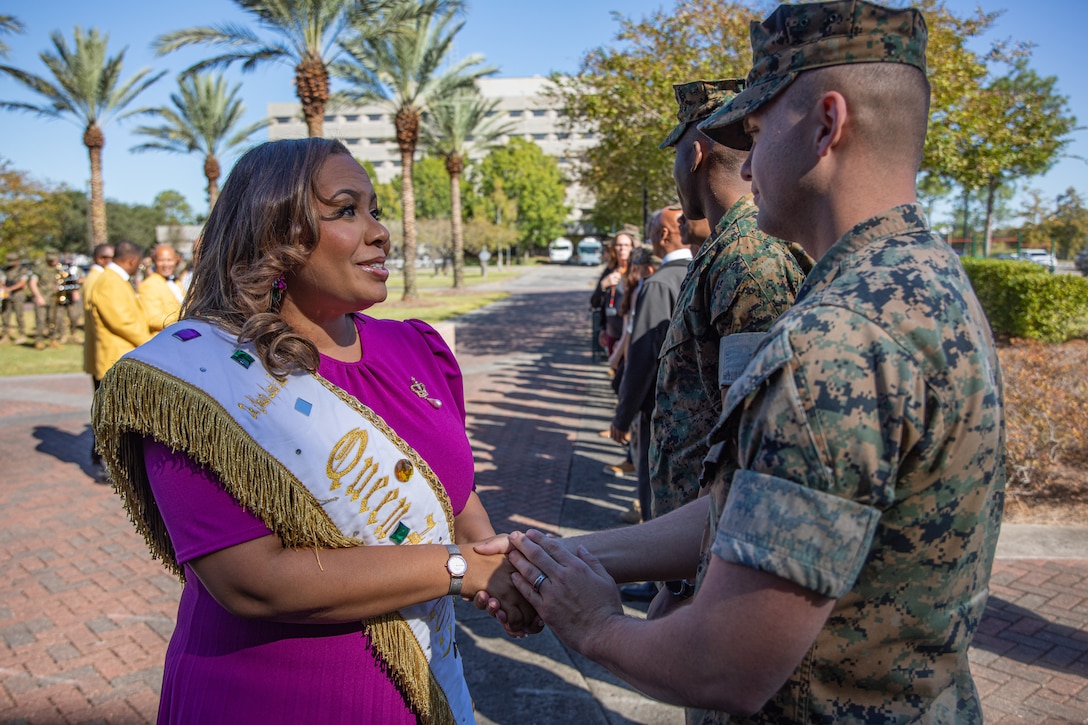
(115, 321)
(160, 294)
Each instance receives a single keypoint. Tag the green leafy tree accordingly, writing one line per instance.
(1021, 125)
(1069, 224)
(432, 186)
(74, 218)
(173, 207)
(8, 24)
(522, 187)
(303, 33)
(408, 71)
(624, 93)
(88, 89)
(204, 120)
(134, 222)
(30, 212)
(455, 127)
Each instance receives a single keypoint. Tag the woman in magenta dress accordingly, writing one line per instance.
(302, 466)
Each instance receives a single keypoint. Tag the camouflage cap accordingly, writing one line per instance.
(51, 253)
(698, 100)
(796, 38)
(645, 255)
(12, 257)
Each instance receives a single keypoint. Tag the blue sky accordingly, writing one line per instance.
(521, 38)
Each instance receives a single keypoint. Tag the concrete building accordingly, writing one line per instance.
(368, 132)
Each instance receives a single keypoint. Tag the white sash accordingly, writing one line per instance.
(369, 482)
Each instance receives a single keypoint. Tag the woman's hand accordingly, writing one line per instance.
(491, 588)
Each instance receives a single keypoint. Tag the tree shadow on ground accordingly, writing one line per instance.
(1020, 634)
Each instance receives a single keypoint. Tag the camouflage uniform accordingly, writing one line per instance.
(12, 309)
(870, 434)
(738, 285)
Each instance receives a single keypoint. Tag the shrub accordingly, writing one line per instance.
(1023, 300)
(1046, 406)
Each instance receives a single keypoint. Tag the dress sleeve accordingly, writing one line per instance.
(200, 516)
(446, 362)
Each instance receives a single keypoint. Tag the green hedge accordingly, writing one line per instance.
(1023, 299)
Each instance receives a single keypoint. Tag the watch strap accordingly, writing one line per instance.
(455, 581)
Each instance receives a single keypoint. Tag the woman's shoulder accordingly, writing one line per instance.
(403, 335)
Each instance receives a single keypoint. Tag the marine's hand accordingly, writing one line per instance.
(575, 598)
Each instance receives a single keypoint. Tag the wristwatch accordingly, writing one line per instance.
(681, 589)
(456, 566)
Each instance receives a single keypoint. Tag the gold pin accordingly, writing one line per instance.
(421, 391)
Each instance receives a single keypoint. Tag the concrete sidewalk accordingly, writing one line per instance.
(85, 614)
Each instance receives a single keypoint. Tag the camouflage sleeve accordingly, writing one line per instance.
(756, 286)
(824, 413)
(813, 539)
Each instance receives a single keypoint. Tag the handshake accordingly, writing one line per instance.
(527, 580)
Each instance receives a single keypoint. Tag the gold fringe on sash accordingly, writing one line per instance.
(136, 400)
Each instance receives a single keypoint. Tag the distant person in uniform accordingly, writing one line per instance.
(848, 553)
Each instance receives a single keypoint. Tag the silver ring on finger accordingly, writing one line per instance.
(539, 580)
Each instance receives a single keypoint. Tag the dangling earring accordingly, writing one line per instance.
(279, 286)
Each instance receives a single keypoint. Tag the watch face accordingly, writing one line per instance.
(457, 565)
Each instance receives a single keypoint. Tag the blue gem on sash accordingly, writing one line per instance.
(185, 334)
(303, 406)
(398, 536)
(243, 358)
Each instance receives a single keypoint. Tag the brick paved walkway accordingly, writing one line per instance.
(85, 614)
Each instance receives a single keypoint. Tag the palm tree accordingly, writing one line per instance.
(89, 89)
(8, 24)
(304, 33)
(453, 128)
(202, 120)
(404, 70)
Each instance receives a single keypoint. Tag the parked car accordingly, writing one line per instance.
(1081, 261)
(1039, 256)
(589, 252)
(560, 251)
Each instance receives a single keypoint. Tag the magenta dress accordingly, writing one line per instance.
(220, 668)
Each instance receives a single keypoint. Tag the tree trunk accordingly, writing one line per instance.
(457, 232)
(94, 140)
(312, 89)
(966, 202)
(990, 189)
(211, 173)
(408, 204)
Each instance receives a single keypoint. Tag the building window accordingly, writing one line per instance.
(540, 136)
(516, 114)
(284, 119)
(540, 112)
(352, 117)
(330, 119)
(375, 141)
(490, 114)
(589, 135)
(373, 116)
(562, 136)
(351, 141)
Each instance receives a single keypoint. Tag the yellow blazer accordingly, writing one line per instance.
(118, 319)
(160, 305)
(88, 328)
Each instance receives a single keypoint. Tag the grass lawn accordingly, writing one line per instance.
(438, 301)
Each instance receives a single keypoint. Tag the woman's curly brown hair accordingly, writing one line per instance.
(264, 225)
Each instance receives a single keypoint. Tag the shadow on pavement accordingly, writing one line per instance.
(66, 447)
(1020, 634)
